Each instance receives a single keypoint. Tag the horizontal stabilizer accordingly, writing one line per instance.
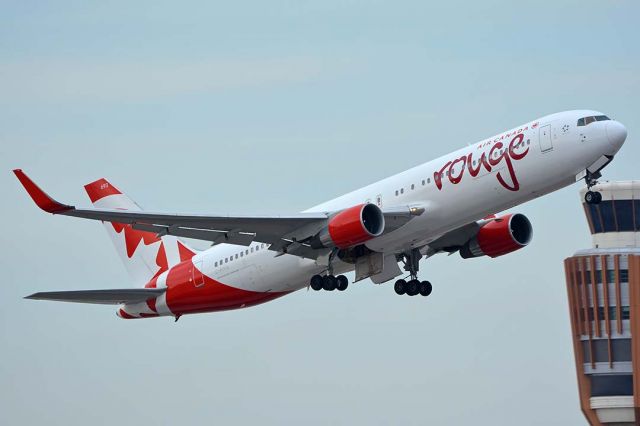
(103, 297)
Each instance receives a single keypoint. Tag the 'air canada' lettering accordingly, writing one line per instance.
(456, 168)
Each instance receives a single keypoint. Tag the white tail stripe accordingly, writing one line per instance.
(161, 305)
(171, 249)
(162, 280)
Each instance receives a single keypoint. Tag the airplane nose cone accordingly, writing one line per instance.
(616, 133)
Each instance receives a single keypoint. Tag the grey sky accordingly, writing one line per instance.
(262, 107)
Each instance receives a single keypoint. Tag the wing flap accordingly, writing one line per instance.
(102, 297)
(216, 237)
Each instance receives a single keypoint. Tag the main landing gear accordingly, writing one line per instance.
(592, 197)
(413, 286)
(329, 282)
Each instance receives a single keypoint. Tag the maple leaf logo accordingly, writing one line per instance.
(132, 237)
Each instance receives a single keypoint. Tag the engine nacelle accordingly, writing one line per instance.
(351, 227)
(503, 235)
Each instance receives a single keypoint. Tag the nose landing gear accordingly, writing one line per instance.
(413, 286)
(592, 197)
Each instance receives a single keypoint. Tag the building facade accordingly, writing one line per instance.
(603, 286)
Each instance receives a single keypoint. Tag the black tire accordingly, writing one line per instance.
(593, 197)
(425, 288)
(329, 282)
(316, 282)
(342, 282)
(589, 197)
(413, 287)
(598, 199)
(400, 287)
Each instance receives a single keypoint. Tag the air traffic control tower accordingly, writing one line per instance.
(603, 285)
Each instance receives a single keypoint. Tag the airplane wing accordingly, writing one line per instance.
(103, 297)
(285, 233)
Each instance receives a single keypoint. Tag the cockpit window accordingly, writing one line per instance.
(584, 121)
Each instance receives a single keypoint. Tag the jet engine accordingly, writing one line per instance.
(351, 227)
(502, 235)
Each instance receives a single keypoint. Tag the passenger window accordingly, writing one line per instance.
(236, 255)
(396, 192)
(402, 190)
(423, 182)
(241, 254)
(428, 180)
(246, 252)
(413, 186)
(226, 260)
(215, 264)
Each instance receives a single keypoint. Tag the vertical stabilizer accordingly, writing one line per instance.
(144, 254)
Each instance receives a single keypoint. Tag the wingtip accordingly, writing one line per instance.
(42, 200)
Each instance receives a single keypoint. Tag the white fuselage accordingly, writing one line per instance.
(546, 154)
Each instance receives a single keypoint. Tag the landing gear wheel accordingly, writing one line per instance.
(342, 282)
(589, 197)
(593, 197)
(413, 287)
(316, 282)
(425, 288)
(400, 287)
(329, 282)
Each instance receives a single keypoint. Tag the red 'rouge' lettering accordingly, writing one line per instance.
(456, 179)
(495, 156)
(481, 162)
(437, 176)
(514, 144)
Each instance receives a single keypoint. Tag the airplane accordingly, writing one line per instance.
(447, 205)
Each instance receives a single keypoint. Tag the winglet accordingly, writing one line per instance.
(40, 197)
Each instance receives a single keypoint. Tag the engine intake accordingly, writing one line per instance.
(501, 236)
(351, 227)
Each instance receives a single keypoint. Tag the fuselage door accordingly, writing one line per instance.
(545, 138)
(198, 276)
